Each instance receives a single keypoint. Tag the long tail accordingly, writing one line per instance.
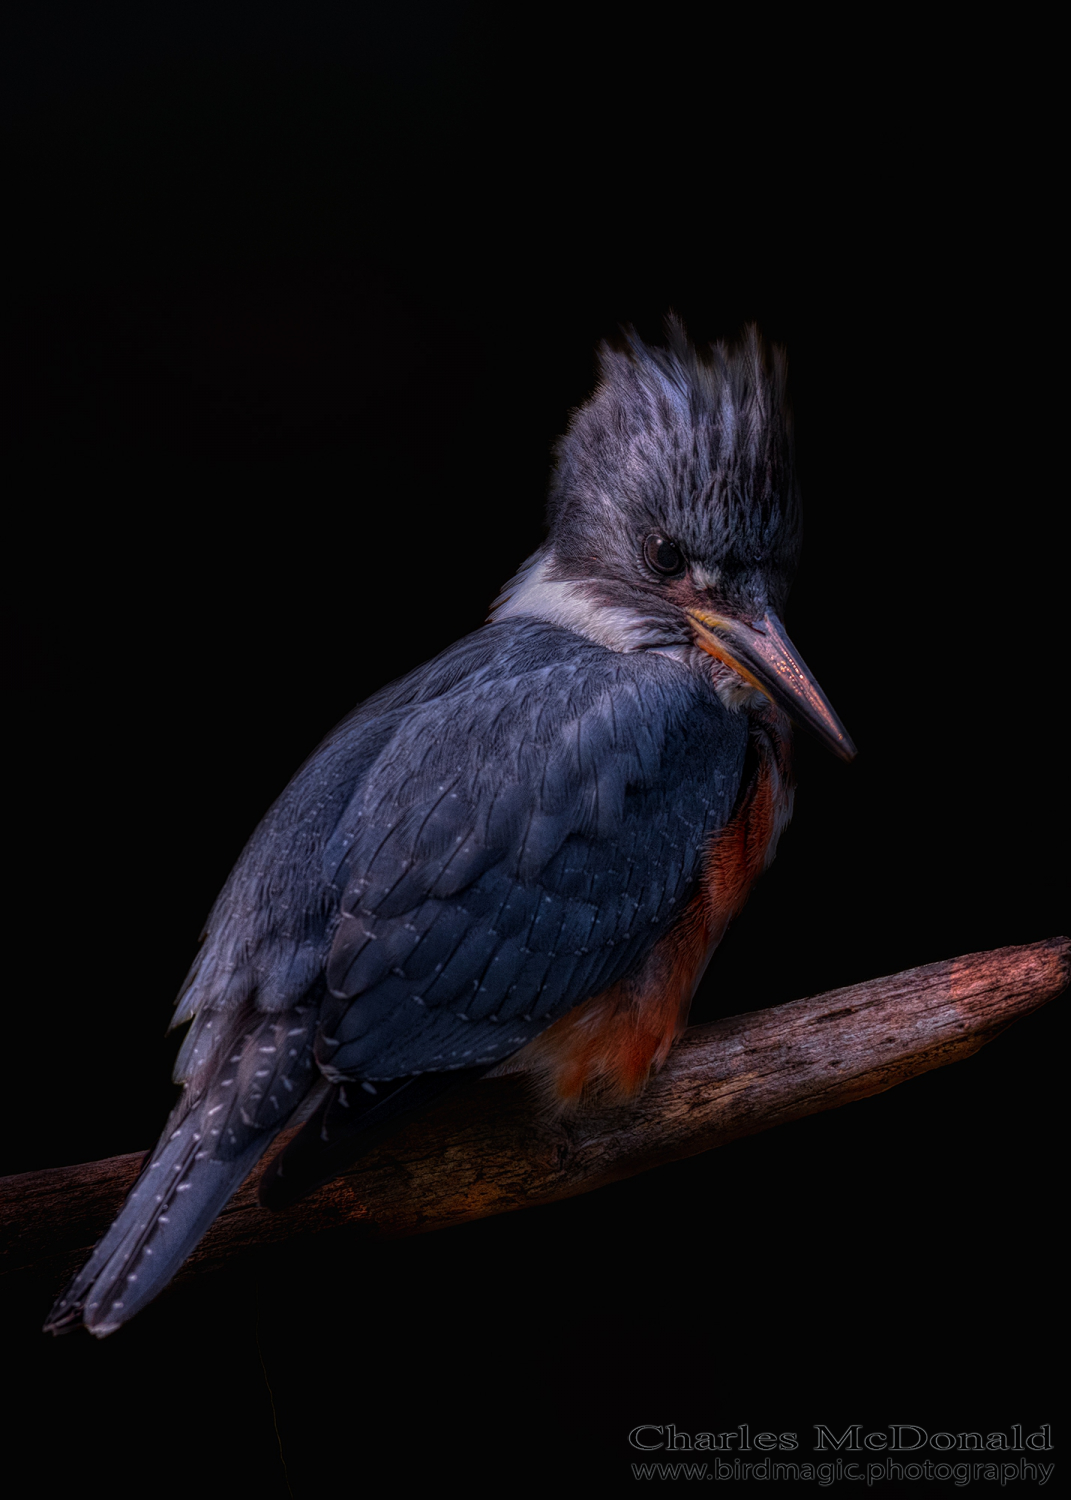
(172, 1204)
(231, 1112)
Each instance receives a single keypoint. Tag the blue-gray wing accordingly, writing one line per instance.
(517, 844)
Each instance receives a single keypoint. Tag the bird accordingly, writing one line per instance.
(523, 854)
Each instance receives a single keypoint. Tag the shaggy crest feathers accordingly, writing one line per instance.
(697, 444)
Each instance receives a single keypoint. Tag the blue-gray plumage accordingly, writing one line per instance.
(530, 844)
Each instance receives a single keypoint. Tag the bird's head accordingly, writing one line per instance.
(674, 520)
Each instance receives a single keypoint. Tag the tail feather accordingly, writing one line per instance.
(261, 1077)
(242, 1085)
(178, 1195)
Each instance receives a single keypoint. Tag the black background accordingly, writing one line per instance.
(298, 306)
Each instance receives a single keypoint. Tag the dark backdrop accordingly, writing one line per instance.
(297, 309)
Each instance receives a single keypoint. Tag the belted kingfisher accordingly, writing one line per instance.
(528, 848)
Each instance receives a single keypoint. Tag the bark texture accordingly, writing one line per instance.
(491, 1148)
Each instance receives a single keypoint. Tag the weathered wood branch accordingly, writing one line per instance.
(489, 1149)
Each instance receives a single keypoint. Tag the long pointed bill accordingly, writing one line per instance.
(764, 656)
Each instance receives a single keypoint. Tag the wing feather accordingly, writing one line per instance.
(525, 861)
(472, 853)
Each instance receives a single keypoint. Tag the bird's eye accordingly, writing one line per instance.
(662, 555)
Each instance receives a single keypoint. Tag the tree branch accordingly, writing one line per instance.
(489, 1149)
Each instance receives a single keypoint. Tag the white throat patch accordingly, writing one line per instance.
(565, 602)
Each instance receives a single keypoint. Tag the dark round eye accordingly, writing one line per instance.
(662, 555)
